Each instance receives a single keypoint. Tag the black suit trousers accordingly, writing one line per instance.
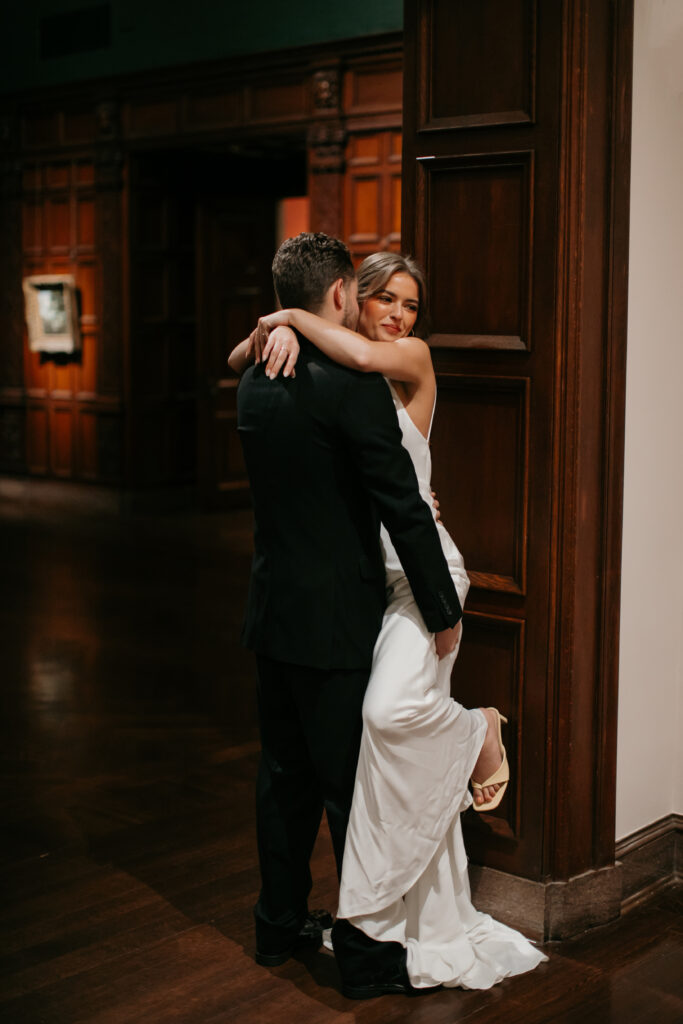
(311, 724)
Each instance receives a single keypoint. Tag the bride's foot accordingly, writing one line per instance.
(490, 761)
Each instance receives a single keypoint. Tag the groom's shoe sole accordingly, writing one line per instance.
(275, 959)
(309, 938)
(389, 988)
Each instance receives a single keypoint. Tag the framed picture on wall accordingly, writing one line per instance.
(52, 313)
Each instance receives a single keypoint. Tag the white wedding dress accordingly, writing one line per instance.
(404, 875)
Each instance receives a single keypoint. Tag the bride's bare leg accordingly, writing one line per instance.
(489, 759)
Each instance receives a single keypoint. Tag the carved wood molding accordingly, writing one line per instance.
(326, 147)
(282, 91)
(326, 88)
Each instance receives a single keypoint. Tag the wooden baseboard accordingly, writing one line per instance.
(548, 910)
(651, 858)
(645, 862)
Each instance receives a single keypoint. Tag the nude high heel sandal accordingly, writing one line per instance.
(500, 776)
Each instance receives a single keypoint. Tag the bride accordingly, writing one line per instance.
(404, 875)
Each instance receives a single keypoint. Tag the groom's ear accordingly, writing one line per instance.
(338, 294)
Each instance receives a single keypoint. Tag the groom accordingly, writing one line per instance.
(325, 461)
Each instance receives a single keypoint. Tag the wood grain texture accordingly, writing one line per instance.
(522, 220)
(372, 190)
(127, 768)
(70, 184)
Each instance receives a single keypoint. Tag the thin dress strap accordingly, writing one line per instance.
(397, 399)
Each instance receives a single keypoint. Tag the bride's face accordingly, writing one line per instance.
(392, 312)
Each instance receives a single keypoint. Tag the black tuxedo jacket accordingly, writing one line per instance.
(325, 462)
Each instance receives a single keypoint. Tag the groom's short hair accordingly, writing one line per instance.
(305, 266)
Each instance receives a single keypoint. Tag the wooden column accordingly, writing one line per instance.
(12, 395)
(325, 143)
(516, 155)
(109, 183)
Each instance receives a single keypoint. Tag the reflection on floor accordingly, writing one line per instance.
(127, 766)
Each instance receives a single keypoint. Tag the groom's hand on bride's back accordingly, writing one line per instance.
(447, 639)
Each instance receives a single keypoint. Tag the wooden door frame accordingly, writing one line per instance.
(579, 884)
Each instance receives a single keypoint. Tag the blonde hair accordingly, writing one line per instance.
(376, 270)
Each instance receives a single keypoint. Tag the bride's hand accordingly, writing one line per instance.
(263, 330)
(435, 503)
(281, 352)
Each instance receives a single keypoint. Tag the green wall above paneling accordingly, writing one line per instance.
(49, 42)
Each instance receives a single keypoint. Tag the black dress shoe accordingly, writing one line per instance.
(397, 984)
(369, 967)
(309, 936)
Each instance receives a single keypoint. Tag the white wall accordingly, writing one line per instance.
(650, 737)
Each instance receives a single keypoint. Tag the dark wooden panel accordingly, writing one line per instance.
(61, 210)
(182, 361)
(489, 672)
(12, 269)
(230, 469)
(182, 436)
(183, 290)
(238, 237)
(279, 101)
(150, 118)
(210, 109)
(61, 441)
(12, 439)
(87, 377)
(40, 129)
(61, 376)
(480, 446)
(58, 176)
(58, 222)
(372, 191)
(153, 291)
(149, 223)
(37, 439)
(394, 211)
(149, 429)
(149, 364)
(547, 197)
(88, 288)
(79, 126)
(33, 228)
(32, 178)
(371, 89)
(112, 294)
(84, 172)
(109, 448)
(85, 223)
(364, 149)
(365, 210)
(480, 210)
(489, 50)
(161, 344)
(36, 374)
(87, 444)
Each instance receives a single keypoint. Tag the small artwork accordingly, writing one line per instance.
(52, 313)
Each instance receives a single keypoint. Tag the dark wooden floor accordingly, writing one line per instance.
(127, 762)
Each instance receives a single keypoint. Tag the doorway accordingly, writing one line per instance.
(203, 229)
